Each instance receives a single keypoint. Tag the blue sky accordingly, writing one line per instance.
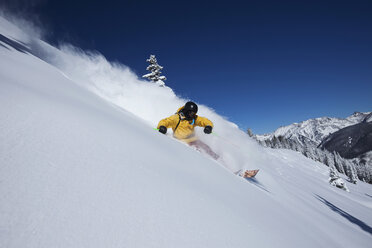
(262, 64)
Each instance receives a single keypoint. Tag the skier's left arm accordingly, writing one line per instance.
(204, 122)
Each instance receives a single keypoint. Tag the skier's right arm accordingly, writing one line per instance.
(169, 122)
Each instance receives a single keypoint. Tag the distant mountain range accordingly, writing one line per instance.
(314, 131)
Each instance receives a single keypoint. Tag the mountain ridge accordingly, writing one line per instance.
(317, 129)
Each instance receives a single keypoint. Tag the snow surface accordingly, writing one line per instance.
(81, 166)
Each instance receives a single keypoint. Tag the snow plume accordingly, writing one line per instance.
(119, 85)
(15, 26)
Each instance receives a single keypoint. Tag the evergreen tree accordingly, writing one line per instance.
(333, 173)
(287, 144)
(339, 163)
(335, 180)
(356, 167)
(323, 157)
(330, 159)
(318, 155)
(292, 144)
(300, 148)
(155, 71)
(308, 151)
(281, 141)
(351, 171)
(249, 132)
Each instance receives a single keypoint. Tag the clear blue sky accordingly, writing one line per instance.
(262, 64)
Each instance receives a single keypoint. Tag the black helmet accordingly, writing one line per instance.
(191, 106)
(190, 109)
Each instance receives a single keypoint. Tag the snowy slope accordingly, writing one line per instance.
(84, 168)
(316, 130)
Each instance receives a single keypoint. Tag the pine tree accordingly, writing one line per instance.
(299, 147)
(249, 132)
(322, 156)
(330, 159)
(351, 171)
(318, 155)
(281, 141)
(292, 144)
(155, 71)
(308, 151)
(335, 180)
(286, 144)
(357, 168)
(339, 163)
(333, 173)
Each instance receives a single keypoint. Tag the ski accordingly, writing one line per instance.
(247, 173)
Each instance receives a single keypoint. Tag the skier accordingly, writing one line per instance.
(183, 123)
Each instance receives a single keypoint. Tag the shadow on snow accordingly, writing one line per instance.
(256, 183)
(346, 215)
(17, 45)
(368, 195)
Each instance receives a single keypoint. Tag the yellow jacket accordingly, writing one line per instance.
(184, 129)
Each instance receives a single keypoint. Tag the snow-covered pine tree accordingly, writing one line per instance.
(330, 159)
(297, 146)
(339, 163)
(354, 171)
(318, 154)
(155, 71)
(292, 144)
(323, 156)
(308, 151)
(351, 171)
(300, 148)
(286, 144)
(334, 178)
(333, 173)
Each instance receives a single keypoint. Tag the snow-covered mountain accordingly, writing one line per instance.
(314, 131)
(81, 166)
(350, 142)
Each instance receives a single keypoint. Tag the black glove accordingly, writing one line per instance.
(208, 129)
(163, 129)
